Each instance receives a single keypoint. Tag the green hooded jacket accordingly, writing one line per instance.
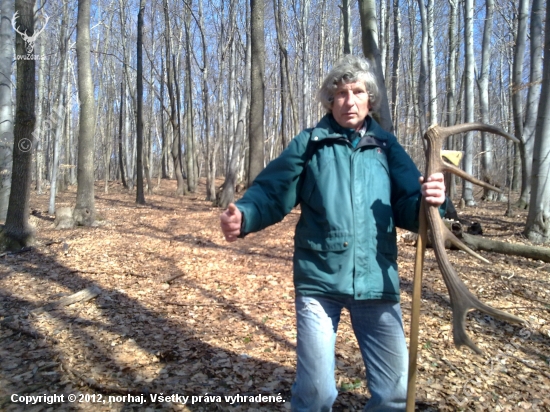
(351, 199)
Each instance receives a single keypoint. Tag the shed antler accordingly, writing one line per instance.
(462, 300)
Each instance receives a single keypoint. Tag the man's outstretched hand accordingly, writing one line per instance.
(230, 222)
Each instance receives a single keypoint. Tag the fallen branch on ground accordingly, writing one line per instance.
(81, 296)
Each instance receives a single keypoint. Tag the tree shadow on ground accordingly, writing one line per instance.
(116, 345)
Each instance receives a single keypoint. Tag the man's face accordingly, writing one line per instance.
(351, 105)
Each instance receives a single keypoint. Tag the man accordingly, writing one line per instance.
(354, 187)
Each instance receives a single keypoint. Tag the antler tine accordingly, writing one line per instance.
(462, 300)
(447, 131)
(13, 20)
(448, 235)
(37, 32)
(447, 167)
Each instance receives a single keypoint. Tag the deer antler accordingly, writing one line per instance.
(13, 20)
(462, 300)
(32, 39)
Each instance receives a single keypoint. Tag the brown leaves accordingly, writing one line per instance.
(224, 323)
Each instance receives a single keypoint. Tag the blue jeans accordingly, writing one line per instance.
(378, 328)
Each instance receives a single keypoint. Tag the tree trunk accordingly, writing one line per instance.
(533, 97)
(140, 194)
(367, 12)
(467, 187)
(39, 115)
(256, 119)
(164, 158)
(17, 232)
(227, 193)
(423, 73)
(120, 149)
(432, 63)
(84, 212)
(190, 158)
(510, 249)
(382, 36)
(538, 220)
(180, 190)
(6, 104)
(285, 71)
(517, 104)
(396, 61)
(451, 87)
(488, 173)
(59, 118)
(347, 26)
(210, 150)
(305, 74)
(177, 146)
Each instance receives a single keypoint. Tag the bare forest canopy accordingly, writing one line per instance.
(207, 43)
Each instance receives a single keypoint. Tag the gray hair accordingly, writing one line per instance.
(350, 69)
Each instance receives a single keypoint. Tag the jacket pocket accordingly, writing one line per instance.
(336, 241)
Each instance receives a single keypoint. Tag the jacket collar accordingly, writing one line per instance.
(328, 127)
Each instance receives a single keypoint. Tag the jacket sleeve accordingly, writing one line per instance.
(274, 192)
(406, 194)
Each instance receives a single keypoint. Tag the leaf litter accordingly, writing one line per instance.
(181, 311)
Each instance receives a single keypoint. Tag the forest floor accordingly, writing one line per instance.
(225, 326)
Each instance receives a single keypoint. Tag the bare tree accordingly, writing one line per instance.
(176, 153)
(287, 93)
(190, 158)
(256, 119)
(347, 25)
(532, 103)
(84, 212)
(538, 220)
(120, 124)
(140, 195)
(451, 87)
(423, 72)
(469, 62)
(6, 113)
(517, 102)
(59, 117)
(17, 232)
(396, 58)
(227, 193)
(483, 85)
(369, 36)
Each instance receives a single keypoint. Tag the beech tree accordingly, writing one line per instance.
(517, 100)
(256, 117)
(17, 233)
(140, 195)
(538, 220)
(369, 37)
(84, 212)
(6, 114)
(469, 116)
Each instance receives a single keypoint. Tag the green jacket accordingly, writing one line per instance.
(351, 201)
